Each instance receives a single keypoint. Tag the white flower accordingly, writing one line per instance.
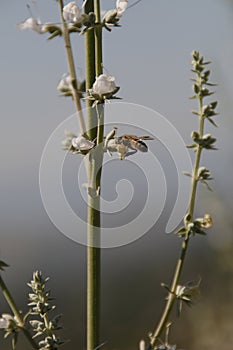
(142, 345)
(82, 144)
(72, 13)
(65, 83)
(121, 6)
(31, 23)
(3, 323)
(104, 84)
(5, 320)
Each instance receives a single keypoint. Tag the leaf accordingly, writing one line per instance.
(187, 174)
(191, 146)
(14, 340)
(212, 122)
(200, 232)
(196, 88)
(211, 84)
(181, 231)
(214, 104)
(196, 113)
(3, 265)
(65, 94)
(54, 34)
(205, 63)
(206, 185)
(74, 29)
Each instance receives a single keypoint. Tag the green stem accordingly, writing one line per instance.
(171, 298)
(93, 215)
(98, 41)
(72, 72)
(7, 295)
(99, 71)
(197, 162)
(90, 74)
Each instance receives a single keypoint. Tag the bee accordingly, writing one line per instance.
(135, 142)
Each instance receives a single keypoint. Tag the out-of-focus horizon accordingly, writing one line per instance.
(149, 56)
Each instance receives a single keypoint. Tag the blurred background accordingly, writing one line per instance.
(149, 56)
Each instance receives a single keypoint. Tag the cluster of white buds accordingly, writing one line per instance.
(65, 83)
(77, 144)
(112, 17)
(36, 25)
(74, 16)
(33, 24)
(65, 86)
(196, 226)
(72, 13)
(80, 143)
(11, 326)
(104, 85)
(7, 320)
(121, 6)
(104, 88)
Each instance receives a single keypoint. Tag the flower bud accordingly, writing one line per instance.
(121, 6)
(104, 84)
(82, 144)
(33, 24)
(72, 13)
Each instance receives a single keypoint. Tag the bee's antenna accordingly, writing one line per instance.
(29, 10)
(34, 3)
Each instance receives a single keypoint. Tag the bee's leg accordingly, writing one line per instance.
(131, 153)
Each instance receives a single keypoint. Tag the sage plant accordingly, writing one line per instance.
(178, 292)
(91, 143)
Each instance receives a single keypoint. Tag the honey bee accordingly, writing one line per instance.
(135, 142)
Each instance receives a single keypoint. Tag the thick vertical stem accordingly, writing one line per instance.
(93, 215)
(93, 274)
(98, 40)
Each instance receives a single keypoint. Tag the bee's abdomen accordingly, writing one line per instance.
(140, 146)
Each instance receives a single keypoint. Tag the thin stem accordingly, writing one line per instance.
(98, 41)
(7, 295)
(197, 161)
(99, 71)
(72, 72)
(90, 73)
(171, 295)
(171, 298)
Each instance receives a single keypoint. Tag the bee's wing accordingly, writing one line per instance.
(129, 137)
(146, 138)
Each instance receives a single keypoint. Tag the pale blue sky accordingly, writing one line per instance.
(149, 56)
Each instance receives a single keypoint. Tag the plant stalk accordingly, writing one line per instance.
(10, 301)
(72, 71)
(95, 131)
(171, 297)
